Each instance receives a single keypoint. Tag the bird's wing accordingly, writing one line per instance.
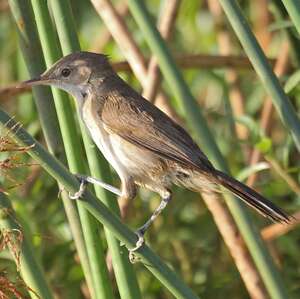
(136, 120)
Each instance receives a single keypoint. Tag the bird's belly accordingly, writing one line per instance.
(127, 159)
(138, 161)
(145, 167)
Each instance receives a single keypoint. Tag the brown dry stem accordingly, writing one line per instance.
(11, 91)
(165, 25)
(276, 230)
(225, 47)
(196, 61)
(104, 36)
(186, 61)
(236, 246)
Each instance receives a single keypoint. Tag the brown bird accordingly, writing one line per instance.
(144, 146)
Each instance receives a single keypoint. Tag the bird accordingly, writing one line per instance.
(144, 145)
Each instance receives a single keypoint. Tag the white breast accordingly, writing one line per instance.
(102, 139)
(127, 159)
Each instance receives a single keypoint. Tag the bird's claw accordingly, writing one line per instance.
(82, 188)
(138, 245)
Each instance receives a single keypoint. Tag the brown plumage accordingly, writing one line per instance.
(133, 118)
(142, 143)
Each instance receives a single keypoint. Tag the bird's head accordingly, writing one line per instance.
(74, 72)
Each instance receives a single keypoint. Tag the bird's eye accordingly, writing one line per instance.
(66, 72)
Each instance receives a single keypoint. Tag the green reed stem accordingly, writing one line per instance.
(101, 282)
(112, 222)
(32, 52)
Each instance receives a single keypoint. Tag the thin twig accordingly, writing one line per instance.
(292, 183)
(186, 61)
(8, 92)
(276, 230)
(196, 61)
(34, 175)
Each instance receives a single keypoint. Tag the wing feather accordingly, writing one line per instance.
(136, 120)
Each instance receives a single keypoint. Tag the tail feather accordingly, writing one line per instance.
(253, 199)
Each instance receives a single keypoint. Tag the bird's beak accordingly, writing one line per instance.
(33, 82)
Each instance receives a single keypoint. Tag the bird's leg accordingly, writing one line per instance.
(128, 189)
(166, 197)
(84, 180)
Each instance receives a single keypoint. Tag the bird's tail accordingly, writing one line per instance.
(252, 198)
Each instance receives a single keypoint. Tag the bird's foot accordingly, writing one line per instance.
(94, 181)
(83, 183)
(140, 242)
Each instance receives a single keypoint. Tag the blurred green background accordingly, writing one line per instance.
(232, 99)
